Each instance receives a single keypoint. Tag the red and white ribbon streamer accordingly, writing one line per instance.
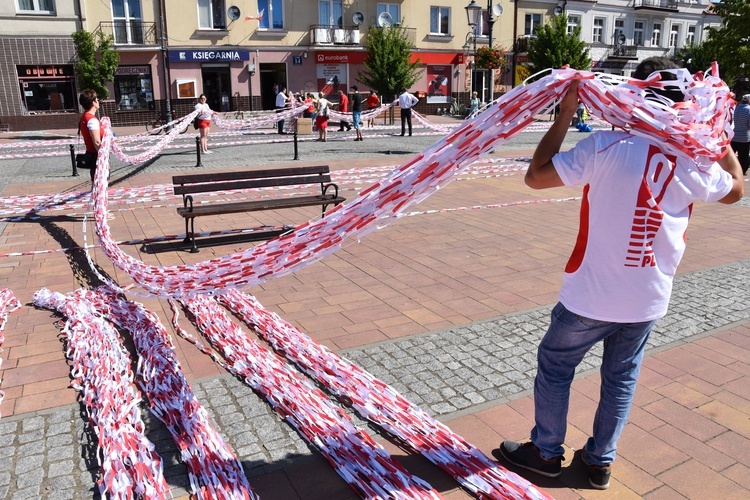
(101, 372)
(370, 114)
(214, 469)
(383, 405)
(8, 304)
(357, 458)
(695, 128)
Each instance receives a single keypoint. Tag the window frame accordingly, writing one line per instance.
(692, 30)
(619, 28)
(331, 21)
(574, 21)
(656, 34)
(271, 16)
(640, 31)
(214, 25)
(529, 24)
(440, 10)
(674, 35)
(36, 10)
(387, 7)
(598, 30)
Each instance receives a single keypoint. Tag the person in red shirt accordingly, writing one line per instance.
(373, 101)
(344, 108)
(89, 127)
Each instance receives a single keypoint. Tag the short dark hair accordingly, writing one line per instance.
(659, 64)
(87, 98)
(354, 87)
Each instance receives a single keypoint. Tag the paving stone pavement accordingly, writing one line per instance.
(53, 454)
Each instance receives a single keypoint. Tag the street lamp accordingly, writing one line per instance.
(467, 50)
(474, 18)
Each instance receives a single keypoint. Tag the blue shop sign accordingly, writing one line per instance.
(226, 55)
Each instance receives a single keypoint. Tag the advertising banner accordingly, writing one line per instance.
(331, 78)
(439, 83)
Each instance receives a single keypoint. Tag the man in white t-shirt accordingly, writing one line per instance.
(281, 102)
(637, 200)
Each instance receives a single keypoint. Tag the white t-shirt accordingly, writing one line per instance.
(93, 124)
(205, 111)
(636, 204)
(281, 100)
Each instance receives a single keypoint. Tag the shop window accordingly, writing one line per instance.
(134, 88)
(36, 6)
(273, 14)
(440, 20)
(47, 89)
(211, 15)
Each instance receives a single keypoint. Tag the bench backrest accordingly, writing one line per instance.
(226, 181)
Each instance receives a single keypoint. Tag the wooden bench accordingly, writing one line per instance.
(190, 185)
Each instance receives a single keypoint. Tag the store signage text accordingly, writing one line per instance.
(208, 55)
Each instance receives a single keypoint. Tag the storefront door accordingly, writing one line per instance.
(271, 74)
(217, 86)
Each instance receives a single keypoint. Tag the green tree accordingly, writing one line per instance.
(554, 47)
(730, 42)
(388, 66)
(696, 57)
(96, 61)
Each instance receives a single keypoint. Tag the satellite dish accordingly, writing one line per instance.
(358, 18)
(233, 12)
(497, 9)
(385, 20)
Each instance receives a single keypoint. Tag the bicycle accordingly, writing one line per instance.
(155, 126)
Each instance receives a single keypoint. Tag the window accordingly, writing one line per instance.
(532, 22)
(639, 28)
(211, 15)
(133, 88)
(656, 35)
(273, 14)
(126, 15)
(674, 35)
(440, 20)
(47, 88)
(690, 38)
(392, 9)
(618, 36)
(574, 22)
(331, 12)
(36, 6)
(597, 35)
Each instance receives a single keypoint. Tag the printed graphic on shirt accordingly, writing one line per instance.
(657, 175)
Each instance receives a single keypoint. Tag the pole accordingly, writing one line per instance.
(198, 152)
(165, 67)
(490, 23)
(296, 151)
(73, 160)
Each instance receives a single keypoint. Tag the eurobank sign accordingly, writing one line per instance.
(208, 55)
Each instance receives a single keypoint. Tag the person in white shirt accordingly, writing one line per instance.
(204, 122)
(406, 101)
(281, 101)
(637, 201)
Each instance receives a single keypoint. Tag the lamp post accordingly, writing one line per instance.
(165, 66)
(467, 50)
(474, 18)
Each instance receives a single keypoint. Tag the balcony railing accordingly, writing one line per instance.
(329, 34)
(130, 32)
(624, 52)
(668, 5)
(523, 42)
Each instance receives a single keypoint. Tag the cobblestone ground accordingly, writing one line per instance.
(52, 454)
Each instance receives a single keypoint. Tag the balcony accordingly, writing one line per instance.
(623, 52)
(329, 34)
(660, 5)
(130, 32)
(523, 42)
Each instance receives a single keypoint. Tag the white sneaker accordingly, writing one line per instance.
(207, 152)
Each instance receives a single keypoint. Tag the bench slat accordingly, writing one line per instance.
(249, 174)
(258, 205)
(246, 184)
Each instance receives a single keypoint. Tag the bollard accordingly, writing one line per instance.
(73, 159)
(198, 151)
(296, 151)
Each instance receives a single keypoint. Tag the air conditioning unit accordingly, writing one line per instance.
(339, 36)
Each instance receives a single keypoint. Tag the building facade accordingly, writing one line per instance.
(239, 52)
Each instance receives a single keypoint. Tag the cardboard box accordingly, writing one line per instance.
(304, 126)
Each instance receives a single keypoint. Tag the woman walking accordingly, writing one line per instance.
(89, 127)
(204, 121)
(321, 121)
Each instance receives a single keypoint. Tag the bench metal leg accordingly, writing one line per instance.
(194, 249)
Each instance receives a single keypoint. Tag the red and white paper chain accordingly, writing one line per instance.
(101, 372)
(8, 304)
(358, 459)
(695, 128)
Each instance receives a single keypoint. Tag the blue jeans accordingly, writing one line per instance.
(568, 339)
